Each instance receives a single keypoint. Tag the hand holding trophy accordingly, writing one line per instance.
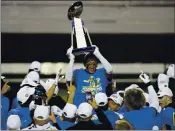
(80, 39)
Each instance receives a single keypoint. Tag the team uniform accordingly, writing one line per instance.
(24, 114)
(166, 116)
(15, 103)
(119, 114)
(86, 82)
(4, 111)
(122, 109)
(112, 117)
(142, 119)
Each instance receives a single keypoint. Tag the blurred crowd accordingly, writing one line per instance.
(93, 103)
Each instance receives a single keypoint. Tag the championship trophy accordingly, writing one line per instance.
(80, 39)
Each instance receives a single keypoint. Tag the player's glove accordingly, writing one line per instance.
(171, 71)
(96, 51)
(145, 78)
(69, 53)
(57, 77)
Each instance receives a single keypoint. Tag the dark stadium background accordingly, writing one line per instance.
(117, 48)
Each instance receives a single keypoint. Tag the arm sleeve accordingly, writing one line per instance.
(74, 77)
(104, 120)
(105, 63)
(69, 71)
(153, 99)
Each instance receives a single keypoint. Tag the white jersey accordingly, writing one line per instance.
(47, 126)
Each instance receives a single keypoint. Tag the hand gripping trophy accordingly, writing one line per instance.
(80, 39)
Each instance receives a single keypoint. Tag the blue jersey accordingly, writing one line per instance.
(122, 109)
(86, 82)
(142, 119)
(159, 122)
(15, 103)
(112, 117)
(64, 124)
(166, 116)
(4, 112)
(24, 115)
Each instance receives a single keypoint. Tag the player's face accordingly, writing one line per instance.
(91, 66)
(113, 106)
(163, 101)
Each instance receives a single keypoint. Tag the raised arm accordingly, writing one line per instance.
(71, 91)
(69, 71)
(104, 62)
(50, 92)
(153, 99)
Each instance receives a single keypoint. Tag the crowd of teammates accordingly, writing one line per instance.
(92, 104)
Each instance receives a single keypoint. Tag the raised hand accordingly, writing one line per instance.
(96, 51)
(93, 103)
(71, 88)
(58, 78)
(69, 53)
(144, 77)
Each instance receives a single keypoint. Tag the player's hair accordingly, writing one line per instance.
(88, 57)
(134, 99)
(122, 125)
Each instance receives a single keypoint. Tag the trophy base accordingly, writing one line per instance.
(82, 51)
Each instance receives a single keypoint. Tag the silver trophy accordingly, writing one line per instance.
(80, 39)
